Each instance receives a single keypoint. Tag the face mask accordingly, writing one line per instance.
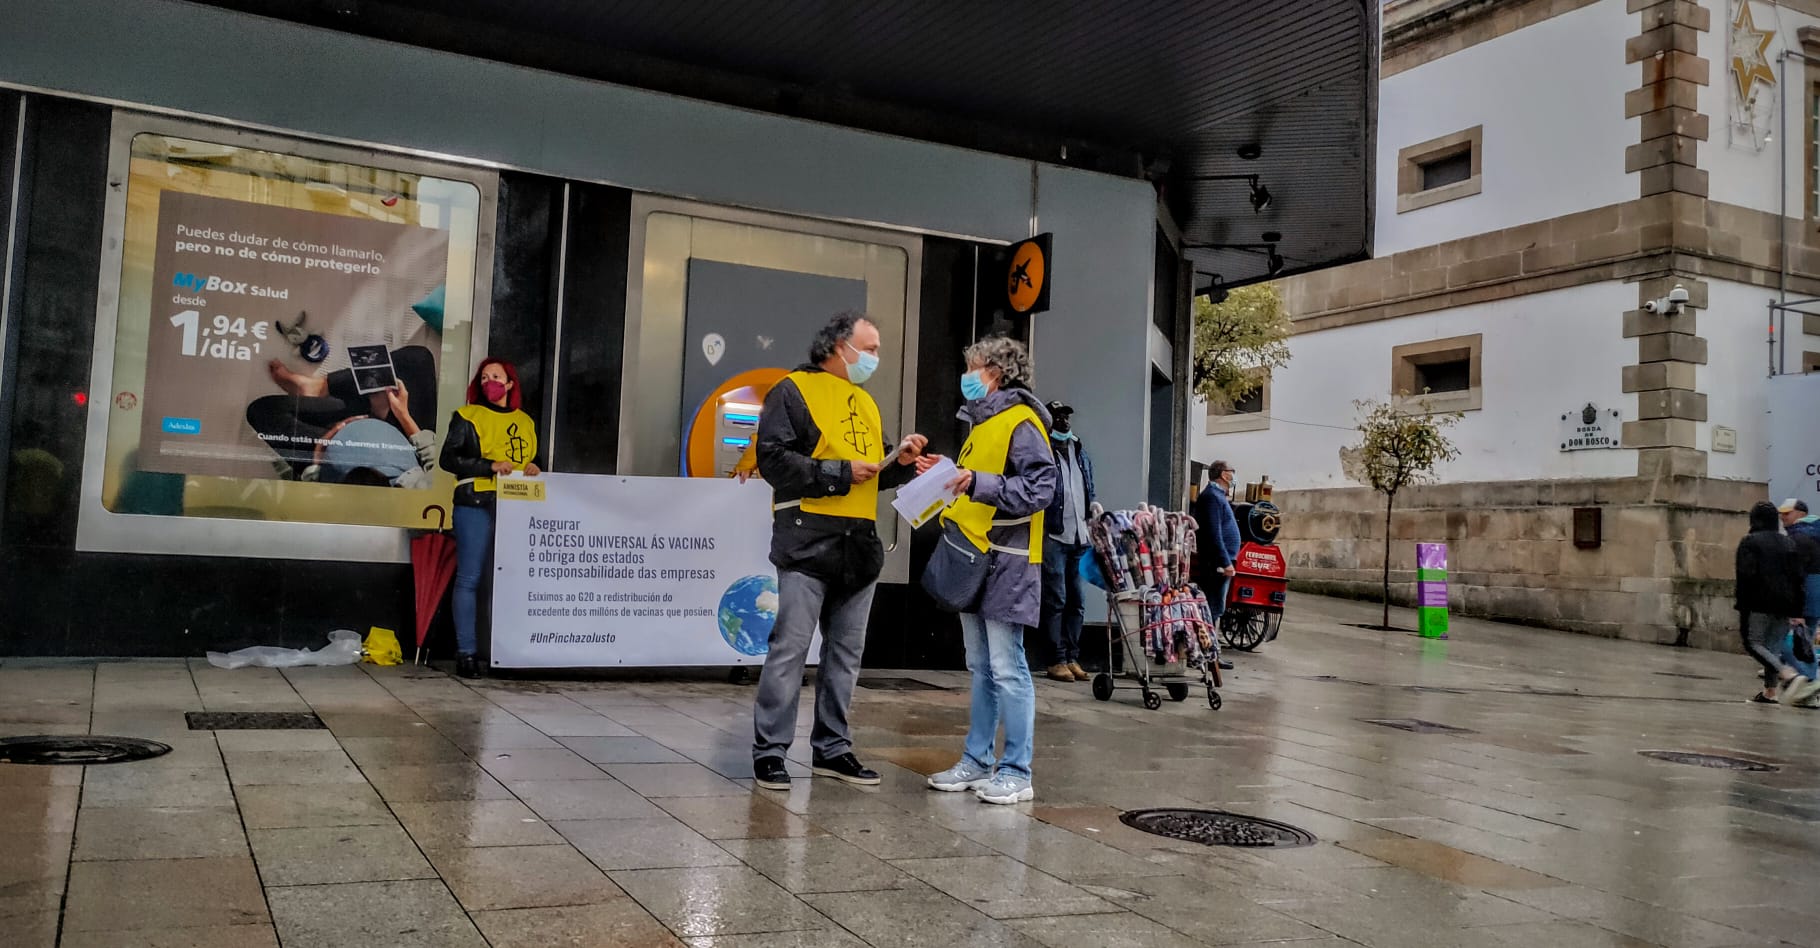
(860, 370)
(972, 386)
(494, 390)
(1062, 435)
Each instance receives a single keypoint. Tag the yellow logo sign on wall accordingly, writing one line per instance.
(519, 488)
(1027, 278)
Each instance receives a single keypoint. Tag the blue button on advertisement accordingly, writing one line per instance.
(182, 426)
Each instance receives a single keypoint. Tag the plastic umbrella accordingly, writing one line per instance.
(432, 566)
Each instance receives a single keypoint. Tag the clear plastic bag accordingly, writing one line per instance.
(343, 649)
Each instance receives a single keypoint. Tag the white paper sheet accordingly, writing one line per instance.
(927, 494)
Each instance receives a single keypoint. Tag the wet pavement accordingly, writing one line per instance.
(430, 812)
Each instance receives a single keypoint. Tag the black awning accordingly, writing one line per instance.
(1169, 90)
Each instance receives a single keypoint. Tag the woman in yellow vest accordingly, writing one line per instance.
(488, 437)
(1007, 478)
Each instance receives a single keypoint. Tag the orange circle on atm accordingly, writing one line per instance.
(1025, 282)
(699, 458)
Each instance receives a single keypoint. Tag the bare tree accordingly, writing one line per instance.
(1400, 443)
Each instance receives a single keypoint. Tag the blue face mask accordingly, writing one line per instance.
(1062, 435)
(860, 370)
(972, 386)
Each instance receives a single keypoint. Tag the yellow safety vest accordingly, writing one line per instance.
(985, 452)
(504, 436)
(850, 431)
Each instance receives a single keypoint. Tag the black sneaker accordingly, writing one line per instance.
(847, 769)
(467, 666)
(770, 773)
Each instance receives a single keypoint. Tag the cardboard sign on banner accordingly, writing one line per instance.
(634, 571)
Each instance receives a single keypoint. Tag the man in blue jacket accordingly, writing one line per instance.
(1064, 610)
(1217, 541)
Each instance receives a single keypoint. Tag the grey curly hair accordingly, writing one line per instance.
(1005, 354)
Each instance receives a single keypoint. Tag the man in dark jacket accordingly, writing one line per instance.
(1769, 597)
(1065, 522)
(1804, 529)
(824, 543)
(1217, 540)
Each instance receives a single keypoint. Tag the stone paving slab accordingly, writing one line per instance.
(510, 812)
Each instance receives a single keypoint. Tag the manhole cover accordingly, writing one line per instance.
(1216, 828)
(898, 684)
(78, 750)
(1417, 726)
(253, 721)
(1713, 761)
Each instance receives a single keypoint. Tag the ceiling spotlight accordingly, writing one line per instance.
(1250, 151)
(1271, 237)
(1216, 291)
(1260, 196)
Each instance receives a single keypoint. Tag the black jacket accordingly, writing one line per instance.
(842, 551)
(1769, 569)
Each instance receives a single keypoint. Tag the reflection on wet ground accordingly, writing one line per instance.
(1506, 803)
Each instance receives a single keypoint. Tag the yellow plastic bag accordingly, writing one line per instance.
(382, 647)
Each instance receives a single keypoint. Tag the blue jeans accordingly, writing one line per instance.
(1216, 592)
(1002, 694)
(1063, 608)
(473, 543)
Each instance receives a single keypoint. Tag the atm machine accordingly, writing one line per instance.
(724, 431)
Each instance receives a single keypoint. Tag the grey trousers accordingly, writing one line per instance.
(802, 602)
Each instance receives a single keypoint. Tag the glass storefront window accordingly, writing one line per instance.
(291, 334)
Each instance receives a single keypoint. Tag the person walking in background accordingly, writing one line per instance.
(488, 437)
(1007, 479)
(1217, 546)
(1769, 596)
(1798, 648)
(822, 448)
(1063, 607)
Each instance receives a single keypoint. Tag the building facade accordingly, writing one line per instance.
(1545, 170)
(578, 188)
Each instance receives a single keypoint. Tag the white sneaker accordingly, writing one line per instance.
(961, 776)
(1006, 789)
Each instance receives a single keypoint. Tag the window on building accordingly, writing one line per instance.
(1810, 361)
(1443, 374)
(1454, 375)
(1446, 170)
(1441, 169)
(1813, 150)
(1251, 413)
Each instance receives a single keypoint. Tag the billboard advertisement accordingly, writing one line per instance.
(292, 335)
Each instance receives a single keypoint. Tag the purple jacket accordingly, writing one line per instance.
(1014, 586)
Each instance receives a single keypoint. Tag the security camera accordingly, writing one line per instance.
(1670, 305)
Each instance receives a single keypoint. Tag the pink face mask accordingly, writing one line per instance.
(494, 390)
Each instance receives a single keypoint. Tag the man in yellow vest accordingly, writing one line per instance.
(822, 448)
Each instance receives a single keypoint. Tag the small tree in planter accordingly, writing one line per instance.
(1400, 444)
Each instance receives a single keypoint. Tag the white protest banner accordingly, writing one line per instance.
(609, 571)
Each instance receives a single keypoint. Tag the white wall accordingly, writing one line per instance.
(1551, 99)
(1738, 172)
(1543, 355)
(1735, 376)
